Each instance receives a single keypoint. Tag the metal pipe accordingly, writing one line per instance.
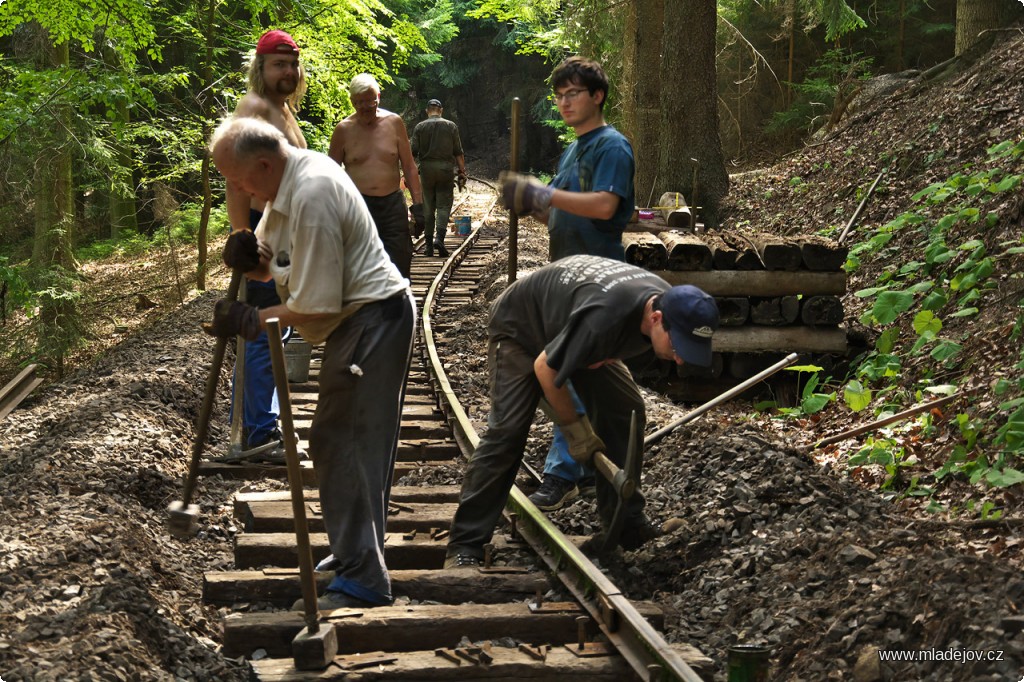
(731, 393)
(513, 219)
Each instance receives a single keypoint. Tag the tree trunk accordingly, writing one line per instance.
(123, 212)
(207, 114)
(641, 88)
(689, 108)
(52, 255)
(975, 16)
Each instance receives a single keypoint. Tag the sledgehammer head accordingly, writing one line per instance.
(182, 521)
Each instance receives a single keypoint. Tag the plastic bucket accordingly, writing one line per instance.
(464, 224)
(297, 355)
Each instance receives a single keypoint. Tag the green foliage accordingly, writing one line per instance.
(826, 85)
(14, 283)
(915, 302)
(811, 401)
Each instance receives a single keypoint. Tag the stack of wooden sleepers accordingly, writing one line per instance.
(775, 295)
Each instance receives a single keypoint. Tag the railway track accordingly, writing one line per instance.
(538, 609)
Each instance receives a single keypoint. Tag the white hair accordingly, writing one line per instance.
(248, 136)
(364, 82)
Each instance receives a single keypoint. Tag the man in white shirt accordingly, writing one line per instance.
(337, 285)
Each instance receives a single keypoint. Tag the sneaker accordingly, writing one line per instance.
(553, 493)
(462, 561)
(587, 486)
(336, 600)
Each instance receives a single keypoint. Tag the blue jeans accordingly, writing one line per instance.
(260, 408)
(559, 462)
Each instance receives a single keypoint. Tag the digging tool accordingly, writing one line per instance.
(625, 489)
(315, 646)
(182, 514)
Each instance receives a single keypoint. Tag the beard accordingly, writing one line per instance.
(286, 86)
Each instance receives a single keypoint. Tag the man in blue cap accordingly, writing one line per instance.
(575, 319)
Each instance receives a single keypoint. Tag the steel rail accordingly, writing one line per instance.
(17, 389)
(629, 632)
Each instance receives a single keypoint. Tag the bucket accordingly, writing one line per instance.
(464, 224)
(297, 354)
(749, 663)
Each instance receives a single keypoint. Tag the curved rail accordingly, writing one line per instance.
(640, 644)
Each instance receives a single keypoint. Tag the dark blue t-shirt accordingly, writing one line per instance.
(599, 161)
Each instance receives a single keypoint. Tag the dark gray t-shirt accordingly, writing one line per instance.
(580, 309)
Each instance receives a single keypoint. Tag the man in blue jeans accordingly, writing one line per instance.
(588, 204)
(277, 83)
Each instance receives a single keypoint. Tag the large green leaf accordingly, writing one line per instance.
(890, 304)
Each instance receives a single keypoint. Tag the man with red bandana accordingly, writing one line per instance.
(276, 86)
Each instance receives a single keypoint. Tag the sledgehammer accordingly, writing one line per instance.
(182, 514)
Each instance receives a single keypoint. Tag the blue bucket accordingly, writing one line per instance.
(464, 224)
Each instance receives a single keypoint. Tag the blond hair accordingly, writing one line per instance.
(259, 86)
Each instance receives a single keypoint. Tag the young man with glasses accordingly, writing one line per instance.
(586, 208)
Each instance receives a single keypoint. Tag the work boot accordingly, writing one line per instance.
(587, 486)
(462, 560)
(553, 493)
(637, 535)
(632, 537)
(442, 250)
(429, 250)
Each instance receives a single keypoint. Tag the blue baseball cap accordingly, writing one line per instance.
(692, 317)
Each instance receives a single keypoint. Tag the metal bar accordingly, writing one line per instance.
(17, 389)
(513, 219)
(732, 392)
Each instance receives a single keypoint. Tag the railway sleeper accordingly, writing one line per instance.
(413, 628)
(280, 586)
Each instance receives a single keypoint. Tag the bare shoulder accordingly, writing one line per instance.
(253, 105)
(392, 119)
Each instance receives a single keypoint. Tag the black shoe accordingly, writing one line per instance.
(462, 561)
(587, 486)
(429, 251)
(553, 493)
(442, 251)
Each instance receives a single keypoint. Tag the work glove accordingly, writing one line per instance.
(582, 440)
(231, 318)
(419, 222)
(579, 434)
(241, 252)
(461, 181)
(523, 194)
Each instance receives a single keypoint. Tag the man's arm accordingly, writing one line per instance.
(600, 205)
(559, 398)
(337, 148)
(409, 170)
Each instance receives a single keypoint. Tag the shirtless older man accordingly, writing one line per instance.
(373, 146)
(276, 86)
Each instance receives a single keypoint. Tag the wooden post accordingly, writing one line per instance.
(513, 219)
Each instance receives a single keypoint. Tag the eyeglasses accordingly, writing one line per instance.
(569, 95)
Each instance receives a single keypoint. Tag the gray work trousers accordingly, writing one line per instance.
(353, 439)
(437, 179)
(610, 396)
